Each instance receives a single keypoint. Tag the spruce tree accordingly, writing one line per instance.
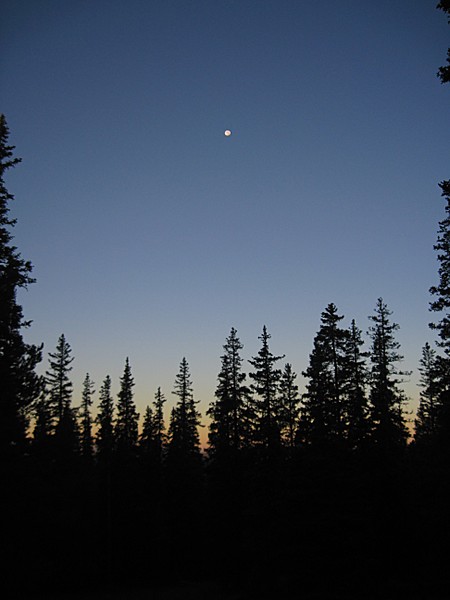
(146, 438)
(324, 404)
(159, 428)
(184, 441)
(20, 385)
(356, 377)
(230, 413)
(432, 374)
(60, 389)
(87, 442)
(104, 420)
(126, 427)
(267, 401)
(57, 379)
(290, 401)
(444, 72)
(389, 430)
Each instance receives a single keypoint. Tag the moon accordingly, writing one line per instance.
(227, 133)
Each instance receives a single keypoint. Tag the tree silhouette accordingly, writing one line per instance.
(57, 379)
(184, 441)
(432, 371)
(231, 412)
(389, 426)
(324, 409)
(267, 401)
(159, 428)
(126, 427)
(444, 72)
(290, 401)
(104, 420)
(356, 378)
(21, 385)
(87, 442)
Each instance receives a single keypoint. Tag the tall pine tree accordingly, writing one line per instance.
(265, 389)
(389, 430)
(87, 442)
(126, 427)
(231, 419)
(184, 440)
(20, 385)
(323, 419)
(105, 421)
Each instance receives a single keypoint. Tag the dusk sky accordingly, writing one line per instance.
(152, 234)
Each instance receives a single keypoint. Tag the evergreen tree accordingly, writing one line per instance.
(432, 371)
(324, 404)
(444, 72)
(231, 422)
(20, 385)
(356, 377)
(159, 428)
(146, 438)
(60, 389)
(268, 406)
(184, 441)
(104, 421)
(126, 428)
(57, 379)
(87, 442)
(291, 405)
(386, 399)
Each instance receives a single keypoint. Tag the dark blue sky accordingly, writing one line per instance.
(152, 233)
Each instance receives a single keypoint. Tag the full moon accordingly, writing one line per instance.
(227, 132)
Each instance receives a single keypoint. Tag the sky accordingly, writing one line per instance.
(152, 233)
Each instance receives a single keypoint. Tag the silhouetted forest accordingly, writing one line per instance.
(314, 493)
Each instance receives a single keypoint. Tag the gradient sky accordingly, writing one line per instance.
(152, 234)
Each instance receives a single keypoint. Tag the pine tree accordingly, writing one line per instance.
(159, 428)
(146, 438)
(268, 407)
(432, 375)
(43, 426)
(126, 429)
(444, 72)
(60, 389)
(184, 441)
(87, 442)
(104, 421)
(290, 401)
(386, 399)
(57, 379)
(324, 404)
(356, 378)
(231, 422)
(20, 385)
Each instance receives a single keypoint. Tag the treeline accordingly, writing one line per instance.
(352, 400)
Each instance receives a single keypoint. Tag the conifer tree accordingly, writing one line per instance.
(159, 428)
(291, 405)
(43, 425)
(146, 438)
(355, 385)
(57, 379)
(104, 421)
(268, 407)
(126, 428)
(444, 72)
(87, 442)
(432, 374)
(324, 404)
(386, 398)
(184, 441)
(20, 385)
(231, 418)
